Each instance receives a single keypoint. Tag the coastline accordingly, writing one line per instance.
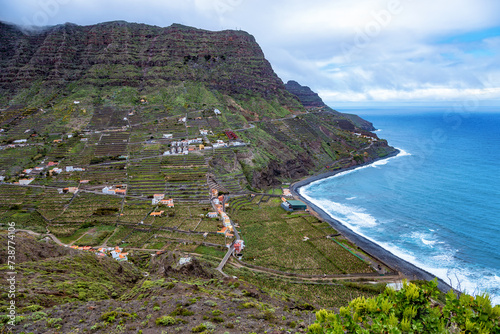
(406, 268)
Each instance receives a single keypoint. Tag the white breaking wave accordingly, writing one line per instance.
(428, 242)
(351, 216)
(402, 153)
(351, 198)
(443, 265)
(425, 238)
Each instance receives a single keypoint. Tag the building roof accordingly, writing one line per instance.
(294, 202)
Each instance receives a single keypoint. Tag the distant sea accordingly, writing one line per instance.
(436, 204)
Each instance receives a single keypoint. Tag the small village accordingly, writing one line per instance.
(126, 184)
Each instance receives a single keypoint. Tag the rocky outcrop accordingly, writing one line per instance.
(310, 99)
(360, 122)
(306, 96)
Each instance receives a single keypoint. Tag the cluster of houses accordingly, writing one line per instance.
(28, 173)
(362, 135)
(160, 199)
(52, 171)
(185, 146)
(226, 221)
(120, 189)
(116, 253)
(227, 228)
(4, 147)
(68, 169)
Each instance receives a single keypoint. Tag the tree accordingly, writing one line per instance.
(413, 309)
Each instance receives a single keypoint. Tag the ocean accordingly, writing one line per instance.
(437, 203)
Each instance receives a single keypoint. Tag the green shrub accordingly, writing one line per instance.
(165, 321)
(37, 316)
(198, 329)
(248, 305)
(33, 308)
(216, 312)
(51, 322)
(210, 303)
(181, 311)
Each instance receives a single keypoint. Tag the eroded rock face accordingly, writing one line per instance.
(136, 55)
(290, 169)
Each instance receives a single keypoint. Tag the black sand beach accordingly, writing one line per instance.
(407, 269)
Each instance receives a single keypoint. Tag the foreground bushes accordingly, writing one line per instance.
(411, 310)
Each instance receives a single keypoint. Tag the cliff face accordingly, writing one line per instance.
(136, 55)
(306, 96)
(310, 99)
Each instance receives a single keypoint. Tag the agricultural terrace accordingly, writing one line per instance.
(123, 147)
(275, 239)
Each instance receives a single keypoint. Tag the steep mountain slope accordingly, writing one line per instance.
(69, 79)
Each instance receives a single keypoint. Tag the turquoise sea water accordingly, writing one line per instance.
(436, 204)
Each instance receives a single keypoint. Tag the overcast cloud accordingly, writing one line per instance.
(353, 52)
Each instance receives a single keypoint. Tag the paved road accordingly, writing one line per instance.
(53, 237)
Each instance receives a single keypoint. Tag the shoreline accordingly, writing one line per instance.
(404, 267)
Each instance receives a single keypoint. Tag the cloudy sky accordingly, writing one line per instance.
(352, 52)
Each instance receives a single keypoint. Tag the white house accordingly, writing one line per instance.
(56, 170)
(167, 135)
(26, 181)
(108, 190)
(157, 198)
(217, 111)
